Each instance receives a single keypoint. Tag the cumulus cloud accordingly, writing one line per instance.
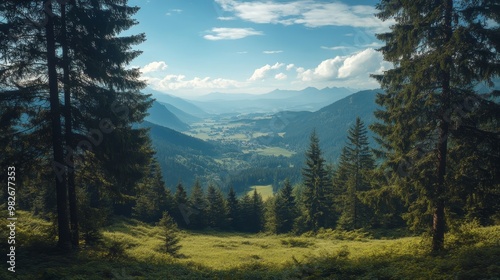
(311, 13)
(223, 33)
(290, 66)
(280, 76)
(271, 52)
(179, 82)
(154, 66)
(260, 73)
(357, 65)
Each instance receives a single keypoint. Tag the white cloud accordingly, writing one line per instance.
(290, 66)
(336, 48)
(223, 33)
(173, 11)
(260, 73)
(311, 13)
(154, 66)
(271, 52)
(280, 76)
(357, 65)
(242, 52)
(226, 18)
(179, 82)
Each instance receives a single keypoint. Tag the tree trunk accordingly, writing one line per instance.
(73, 211)
(62, 205)
(439, 222)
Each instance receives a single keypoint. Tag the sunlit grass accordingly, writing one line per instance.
(473, 253)
(266, 191)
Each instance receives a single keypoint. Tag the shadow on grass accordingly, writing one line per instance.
(472, 262)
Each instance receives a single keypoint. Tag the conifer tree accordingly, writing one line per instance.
(233, 209)
(285, 209)
(257, 213)
(171, 232)
(316, 186)
(216, 208)
(352, 178)
(151, 199)
(441, 51)
(181, 206)
(198, 203)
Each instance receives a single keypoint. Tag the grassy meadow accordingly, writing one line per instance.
(132, 250)
(266, 191)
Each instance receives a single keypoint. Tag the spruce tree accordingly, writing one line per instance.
(216, 208)
(257, 213)
(181, 211)
(171, 233)
(441, 51)
(151, 199)
(198, 203)
(285, 209)
(233, 209)
(352, 178)
(316, 186)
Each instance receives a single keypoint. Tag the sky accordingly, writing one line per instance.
(195, 47)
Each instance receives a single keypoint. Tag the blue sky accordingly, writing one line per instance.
(195, 47)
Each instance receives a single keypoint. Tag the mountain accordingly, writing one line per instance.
(332, 123)
(179, 103)
(308, 99)
(183, 116)
(159, 114)
(182, 157)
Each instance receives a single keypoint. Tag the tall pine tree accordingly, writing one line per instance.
(316, 186)
(441, 51)
(352, 178)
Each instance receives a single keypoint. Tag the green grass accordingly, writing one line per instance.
(274, 151)
(473, 253)
(266, 191)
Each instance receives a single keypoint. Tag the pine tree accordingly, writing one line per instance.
(171, 233)
(441, 50)
(151, 199)
(198, 203)
(316, 185)
(216, 208)
(285, 209)
(233, 210)
(257, 213)
(181, 209)
(352, 178)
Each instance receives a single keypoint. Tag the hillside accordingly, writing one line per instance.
(179, 103)
(160, 115)
(183, 116)
(331, 123)
(180, 156)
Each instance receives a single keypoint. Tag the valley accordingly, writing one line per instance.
(241, 147)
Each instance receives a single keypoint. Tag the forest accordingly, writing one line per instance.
(84, 196)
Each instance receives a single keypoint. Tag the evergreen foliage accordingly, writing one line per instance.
(233, 210)
(216, 208)
(171, 233)
(198, 204)
(441, 51)
(352, 179)
(285, 209)
(316, 186)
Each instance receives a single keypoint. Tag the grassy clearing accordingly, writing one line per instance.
(473, 253)
(266, 191)
(274, 151)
